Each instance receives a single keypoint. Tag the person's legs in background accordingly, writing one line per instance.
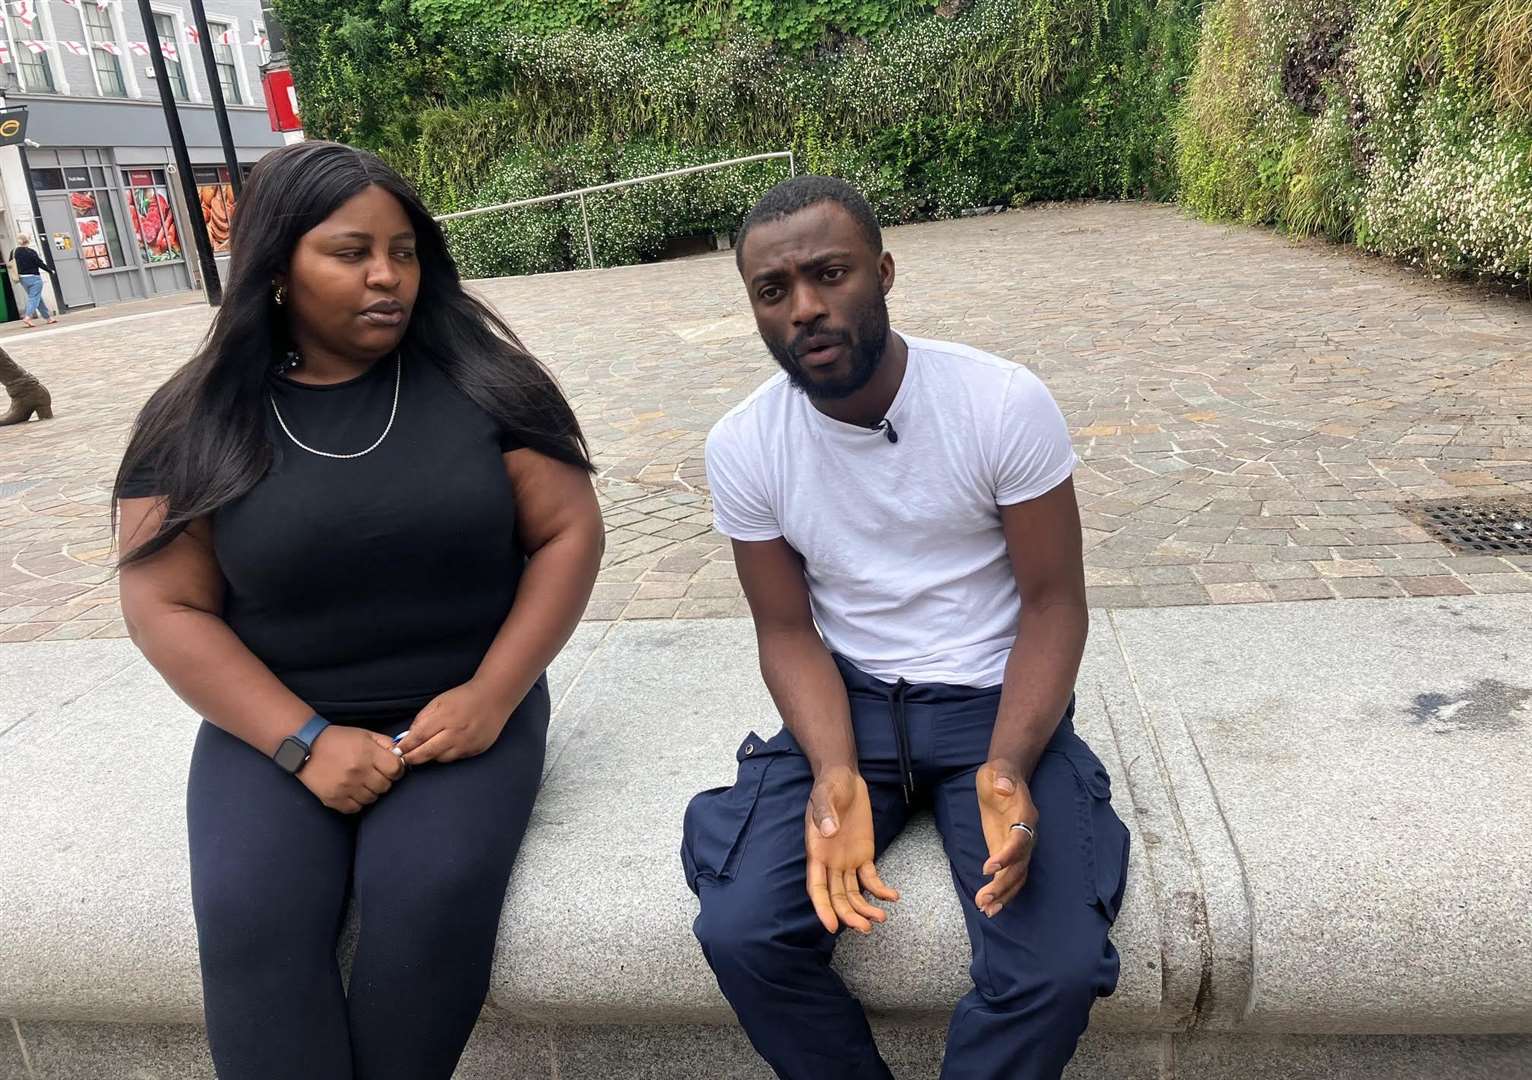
(33, 284)
(27, 395)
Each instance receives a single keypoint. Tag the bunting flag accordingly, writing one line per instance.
(168, 49)
(193, 36)
(110, 47)
(139, 48)
(5, 54)
(37, 47)
(229, 37)
(24, 12)
(27, 9)
(75, 47)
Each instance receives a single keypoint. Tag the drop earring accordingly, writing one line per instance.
(279, 294)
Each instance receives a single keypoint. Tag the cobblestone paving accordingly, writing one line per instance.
(1252, 414)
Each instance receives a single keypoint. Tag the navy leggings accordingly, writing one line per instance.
(1037, 966)
(427, 864)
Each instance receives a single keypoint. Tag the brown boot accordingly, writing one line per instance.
(28, 396)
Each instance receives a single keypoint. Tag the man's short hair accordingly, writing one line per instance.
(802, 192)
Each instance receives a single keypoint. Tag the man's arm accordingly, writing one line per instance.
(1043, 538)
(804, 682)
(798, 669)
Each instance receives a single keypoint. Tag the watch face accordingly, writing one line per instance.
(291, 754)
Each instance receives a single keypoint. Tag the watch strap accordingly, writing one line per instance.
(310, 731)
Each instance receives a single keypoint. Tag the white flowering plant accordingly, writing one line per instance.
(1402, 125)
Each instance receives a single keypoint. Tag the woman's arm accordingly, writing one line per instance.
(172, 603)
(560, 526)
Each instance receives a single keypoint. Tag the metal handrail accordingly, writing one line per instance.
(580, 193)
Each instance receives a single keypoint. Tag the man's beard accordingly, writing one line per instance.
(866, 355)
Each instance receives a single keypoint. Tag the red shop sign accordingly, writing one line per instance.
(281, 100)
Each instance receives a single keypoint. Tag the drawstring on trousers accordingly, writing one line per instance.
(902, 739)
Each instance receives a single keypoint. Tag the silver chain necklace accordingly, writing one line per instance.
(393, 412)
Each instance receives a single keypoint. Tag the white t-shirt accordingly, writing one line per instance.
(906, 562)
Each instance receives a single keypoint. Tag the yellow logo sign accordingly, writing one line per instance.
(9, 128)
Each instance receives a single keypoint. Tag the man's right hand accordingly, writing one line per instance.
(838, 838)
(349, 768)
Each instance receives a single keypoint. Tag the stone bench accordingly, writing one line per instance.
(1332, 816)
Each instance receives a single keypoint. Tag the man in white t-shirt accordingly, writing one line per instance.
(905, 528)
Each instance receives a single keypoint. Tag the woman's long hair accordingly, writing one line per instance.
(203, 435)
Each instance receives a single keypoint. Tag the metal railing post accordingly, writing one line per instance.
(792, 167)
(590, 252)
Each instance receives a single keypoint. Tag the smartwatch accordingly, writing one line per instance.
(294, 752)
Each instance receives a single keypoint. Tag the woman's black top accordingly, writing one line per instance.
(370, 585)
(28, 261)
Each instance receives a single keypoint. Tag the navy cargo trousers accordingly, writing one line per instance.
(1038, 965)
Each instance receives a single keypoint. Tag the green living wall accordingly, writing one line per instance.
(1404, 126)
(1289, 112)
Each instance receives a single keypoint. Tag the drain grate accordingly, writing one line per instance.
(1480, 527)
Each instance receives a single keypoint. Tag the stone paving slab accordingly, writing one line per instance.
(130, 309)
(1253, 414)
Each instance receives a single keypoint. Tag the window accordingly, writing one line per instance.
(225, 59)
(149, 212)
(104, 49)
(36, 74)
(165, 27)
(48, 179)
(217, 197)
(96, 223)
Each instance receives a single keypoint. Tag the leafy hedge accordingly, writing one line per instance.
(1346, 118)
(1402, 125)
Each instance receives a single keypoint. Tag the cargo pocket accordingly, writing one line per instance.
(717, 822)
(1104, 839)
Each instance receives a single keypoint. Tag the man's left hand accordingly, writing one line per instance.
(460, 723)
(1003, 802)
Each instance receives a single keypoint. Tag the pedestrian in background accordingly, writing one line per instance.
(30, 267)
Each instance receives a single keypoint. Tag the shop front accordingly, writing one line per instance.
(118, 231)
(114, 214)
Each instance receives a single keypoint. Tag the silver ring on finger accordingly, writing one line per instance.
(1024, 827)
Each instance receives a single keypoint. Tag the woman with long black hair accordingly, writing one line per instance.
(362, 510)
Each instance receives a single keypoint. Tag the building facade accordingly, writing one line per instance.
(110, 202)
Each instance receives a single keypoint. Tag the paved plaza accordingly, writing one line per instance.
(1253, 415)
